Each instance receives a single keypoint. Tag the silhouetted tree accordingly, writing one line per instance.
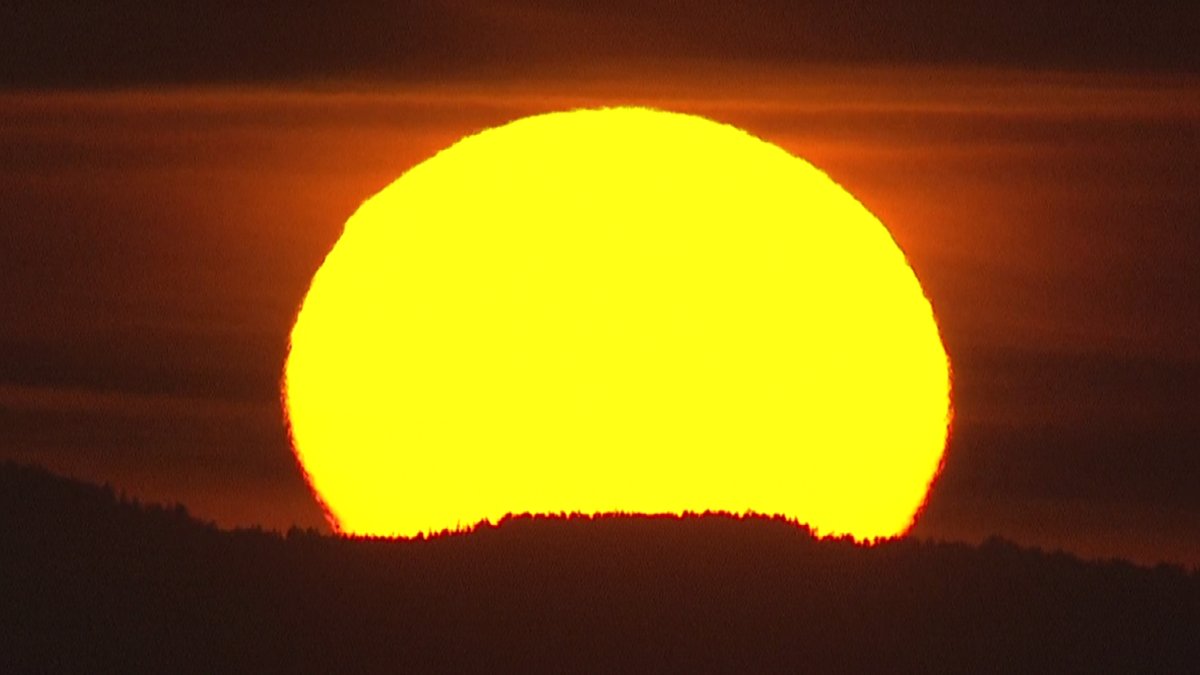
(91, 582)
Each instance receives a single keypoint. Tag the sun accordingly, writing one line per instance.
(616, 310)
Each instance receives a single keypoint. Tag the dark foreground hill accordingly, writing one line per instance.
(92, 583)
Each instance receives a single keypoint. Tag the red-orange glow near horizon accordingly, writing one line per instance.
(617, 310)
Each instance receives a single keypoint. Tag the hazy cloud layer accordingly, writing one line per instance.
(56, 43)
(154, 248)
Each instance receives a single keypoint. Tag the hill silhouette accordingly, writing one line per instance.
(93, 582)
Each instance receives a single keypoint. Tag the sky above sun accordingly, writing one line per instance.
(61, 43)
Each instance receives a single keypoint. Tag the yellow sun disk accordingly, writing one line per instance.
(616, 310)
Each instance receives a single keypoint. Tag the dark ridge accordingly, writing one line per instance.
(513, 520)
(93, 582)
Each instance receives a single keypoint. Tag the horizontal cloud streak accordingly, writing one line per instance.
(156, 245)
(57, 43)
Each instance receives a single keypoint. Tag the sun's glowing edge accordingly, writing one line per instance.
(339, 525)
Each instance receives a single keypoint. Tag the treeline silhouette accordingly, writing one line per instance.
(94, 582)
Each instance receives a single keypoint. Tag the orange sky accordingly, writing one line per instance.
(157, 244)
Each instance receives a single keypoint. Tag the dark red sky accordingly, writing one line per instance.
(82, 42)
(172, 176)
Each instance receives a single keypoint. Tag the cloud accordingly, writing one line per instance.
(62, 43)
